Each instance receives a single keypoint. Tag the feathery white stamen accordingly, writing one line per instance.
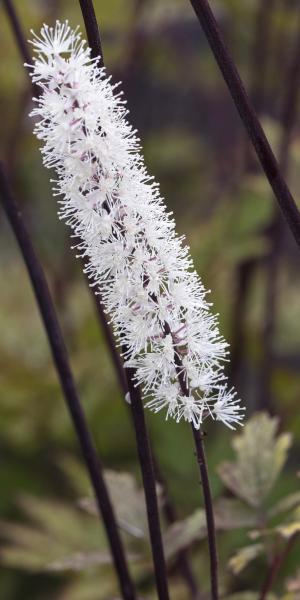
(148, 284)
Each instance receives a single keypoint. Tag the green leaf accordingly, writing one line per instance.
(289, 530)
(285, 504)
(260, 456)
(183, 533)
(229, 514)
(244, 556)
(292, 527)
(128, 501)
(100, 585)
(62, 537)
(80, 560)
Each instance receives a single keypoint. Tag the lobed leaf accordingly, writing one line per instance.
(244, 556)
(260, 456)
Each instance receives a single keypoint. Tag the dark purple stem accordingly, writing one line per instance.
(201, 459)
(276, 565)
(248, 116)
(95, 44)
(147, 470)
(15, 24)
(21, 41)
(209, 511)
(61, 361)
(141, 433)
(92, 29)
(260, 57)
(276, 232)
(182, 561)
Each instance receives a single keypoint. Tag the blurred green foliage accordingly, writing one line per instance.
(52, 547)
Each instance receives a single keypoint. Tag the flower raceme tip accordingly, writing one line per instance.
(149, 287)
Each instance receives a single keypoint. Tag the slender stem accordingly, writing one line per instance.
(92, 29)
(210, 521)
(248, 117)
(15, 24)
(19, 36)
(95, 44)
(147, 469)
(276, 565)
(141, 433)
(182, 558)
(260, 58)
(61, 361)
(182, 561)
(201, 459)
(276, 232)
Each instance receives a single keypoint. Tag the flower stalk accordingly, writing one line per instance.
(61, 361)
(170, 341)
(248, 116)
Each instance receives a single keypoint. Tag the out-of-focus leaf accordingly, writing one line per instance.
(244, 556)
(260, 456)
(28, 548)
(89, 588)
(285, 504)
(292, 526)
(59, 537)
(128, 501)
(229, 514)
(80, 560)
(289, 530)
(183, 533)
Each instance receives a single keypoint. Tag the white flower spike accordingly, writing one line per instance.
(148, 284)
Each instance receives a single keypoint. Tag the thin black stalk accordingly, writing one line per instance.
(260, 56)
(137, 409)
(15, 25)
(244, 276)
(201, 459)
(147, 470)
(95, 44)
(92, 29)
(275, 567)
(19, 36)
(259, 61)
(276, 232)
(182, 560)
(248, 116)
(210, 520)
(61, 362)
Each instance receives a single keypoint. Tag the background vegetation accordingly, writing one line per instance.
(51, 545)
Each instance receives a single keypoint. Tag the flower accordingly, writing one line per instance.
(148, 283)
